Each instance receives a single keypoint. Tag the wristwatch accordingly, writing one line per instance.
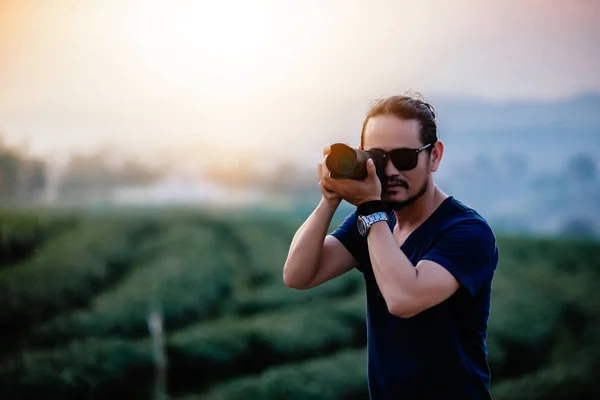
(364, 222)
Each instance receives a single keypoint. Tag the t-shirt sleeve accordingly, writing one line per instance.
(469, 252)
(347, 234)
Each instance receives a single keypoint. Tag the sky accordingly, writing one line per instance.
(205, 79)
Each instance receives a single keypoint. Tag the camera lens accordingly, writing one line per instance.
(344, 162)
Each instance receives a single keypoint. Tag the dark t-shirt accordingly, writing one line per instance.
(441, 352)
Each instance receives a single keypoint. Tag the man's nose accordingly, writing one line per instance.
(390, 169)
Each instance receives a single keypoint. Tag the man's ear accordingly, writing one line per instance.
(436, 155)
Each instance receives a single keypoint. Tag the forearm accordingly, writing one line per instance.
(394, 273)
(304, 256)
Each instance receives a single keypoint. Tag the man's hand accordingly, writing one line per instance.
(330, 197)
(354, 192)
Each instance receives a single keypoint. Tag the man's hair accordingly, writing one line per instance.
(405, 107)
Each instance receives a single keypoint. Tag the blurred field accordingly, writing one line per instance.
(77, 292)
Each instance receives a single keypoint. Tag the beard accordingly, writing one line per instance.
(400, 205)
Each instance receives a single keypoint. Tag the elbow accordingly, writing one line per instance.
(292, 283)
(402, 308)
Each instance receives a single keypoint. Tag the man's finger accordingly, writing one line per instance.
(326, 150)
(371, 165)
(326, 185)
(371, 169)
(324, 169)
(330, 183)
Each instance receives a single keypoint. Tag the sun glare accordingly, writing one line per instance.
(210, 41)
(204, 56)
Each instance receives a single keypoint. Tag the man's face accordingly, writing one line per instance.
(388, 132)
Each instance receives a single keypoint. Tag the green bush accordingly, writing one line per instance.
(69, 270)
(264, 250)
(554, 254)
(339, 376)
(277, 295)
(544, 304)
(23, 234)
(524, 298)
(179, 275)
(572, 378)
(235, 346)
(89, 369)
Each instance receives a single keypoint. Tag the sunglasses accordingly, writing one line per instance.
(404, 159)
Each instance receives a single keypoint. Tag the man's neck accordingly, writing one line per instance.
(415, 214)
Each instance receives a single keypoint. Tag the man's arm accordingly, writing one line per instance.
(315, 257)
(464, 256)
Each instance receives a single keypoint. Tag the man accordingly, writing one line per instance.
(427, 259)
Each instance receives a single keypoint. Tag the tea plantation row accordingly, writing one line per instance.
(77, 292)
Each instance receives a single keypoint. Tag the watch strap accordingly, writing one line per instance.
(372, 207)
(365, 221)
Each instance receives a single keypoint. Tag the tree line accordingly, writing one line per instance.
(28, 180)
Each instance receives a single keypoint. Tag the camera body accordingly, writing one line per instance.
(345, 162)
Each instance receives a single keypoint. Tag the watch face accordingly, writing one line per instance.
(362, 228)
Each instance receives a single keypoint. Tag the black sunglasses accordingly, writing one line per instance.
(404, 159)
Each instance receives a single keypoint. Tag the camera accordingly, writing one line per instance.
(345, 162)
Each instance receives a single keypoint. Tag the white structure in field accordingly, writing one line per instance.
(177, 190)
